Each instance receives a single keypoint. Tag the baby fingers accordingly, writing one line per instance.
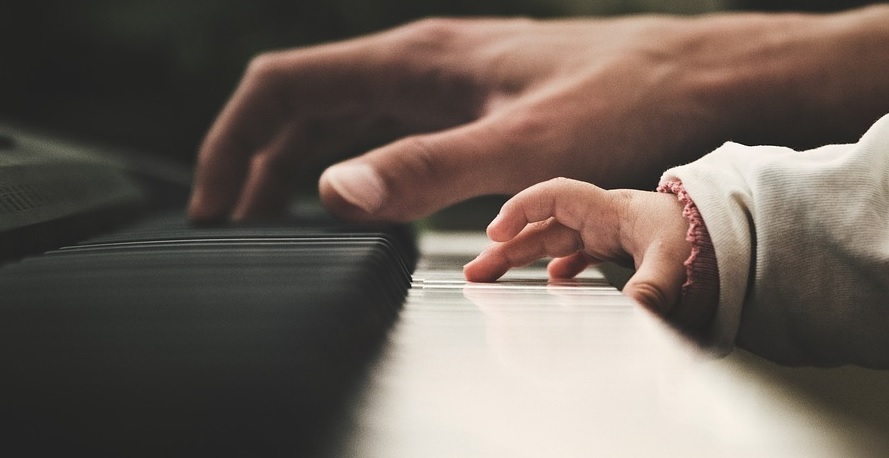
(582, 207)
(536, 241)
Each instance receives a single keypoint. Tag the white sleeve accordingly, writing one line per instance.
(802, 246)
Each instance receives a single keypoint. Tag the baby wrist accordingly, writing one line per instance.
(701, 288)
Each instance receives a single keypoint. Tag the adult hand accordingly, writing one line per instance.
(579, 224)
(470, 107)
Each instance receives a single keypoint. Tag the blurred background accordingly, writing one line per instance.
(151, 75)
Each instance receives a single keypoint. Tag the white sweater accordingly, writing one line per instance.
(802, 247)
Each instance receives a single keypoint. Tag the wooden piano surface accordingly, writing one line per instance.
(527, 369)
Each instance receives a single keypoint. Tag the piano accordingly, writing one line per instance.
(128, 332)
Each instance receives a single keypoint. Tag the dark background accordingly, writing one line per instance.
(151, 75)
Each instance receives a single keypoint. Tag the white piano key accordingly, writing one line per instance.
(527, 369)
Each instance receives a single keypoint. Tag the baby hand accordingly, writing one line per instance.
(579, 224)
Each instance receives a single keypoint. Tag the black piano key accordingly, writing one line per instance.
(168, 339)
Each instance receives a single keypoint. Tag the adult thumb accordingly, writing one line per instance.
(418, 175)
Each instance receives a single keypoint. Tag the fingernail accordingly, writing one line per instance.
(359, 184)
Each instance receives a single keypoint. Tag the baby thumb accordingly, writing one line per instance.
(657, 283)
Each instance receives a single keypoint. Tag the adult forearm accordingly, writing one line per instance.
(856, 88)
(800, 80)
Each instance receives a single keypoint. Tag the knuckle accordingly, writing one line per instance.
(421, 45)
(561, 182)
(542, 226)
(265, 84)
(263, 67)
(432, 31)
(265, 72)
(433, 62)
(528, 124)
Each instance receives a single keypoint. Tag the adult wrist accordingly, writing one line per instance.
(782, 78)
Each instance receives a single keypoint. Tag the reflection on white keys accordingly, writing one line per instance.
(526, 368)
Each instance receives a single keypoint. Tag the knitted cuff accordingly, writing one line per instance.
(702, 274)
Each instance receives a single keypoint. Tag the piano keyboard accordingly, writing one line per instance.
(530, 368)
(223, 340)
(304, 338)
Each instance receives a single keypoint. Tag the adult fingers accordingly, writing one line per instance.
(278, 95)
(249, 120)
(371, 80)
(294, 155)
(420, 174)
(269, 184)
